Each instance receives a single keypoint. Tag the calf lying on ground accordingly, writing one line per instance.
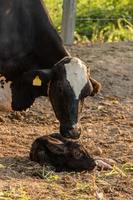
(64, 155)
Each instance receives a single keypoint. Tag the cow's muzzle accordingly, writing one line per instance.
(72, 132)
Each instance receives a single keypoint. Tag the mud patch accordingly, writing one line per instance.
(107, 131)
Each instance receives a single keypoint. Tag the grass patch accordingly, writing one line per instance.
(46, 173)
(2, 166)
(127, 167)
(14, 194)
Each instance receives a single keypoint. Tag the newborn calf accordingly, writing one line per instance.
(64, 155)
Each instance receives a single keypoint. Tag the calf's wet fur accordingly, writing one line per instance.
(64, 155)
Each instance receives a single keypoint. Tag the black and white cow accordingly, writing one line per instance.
(34, 62)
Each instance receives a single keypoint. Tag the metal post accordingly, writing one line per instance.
(68, 21)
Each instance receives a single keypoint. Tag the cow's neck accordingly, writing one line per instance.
(59, 57)
(48, 54)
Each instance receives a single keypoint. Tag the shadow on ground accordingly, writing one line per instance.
(17, 167)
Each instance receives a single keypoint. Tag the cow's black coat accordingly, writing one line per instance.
(27, 38)
(28, 41)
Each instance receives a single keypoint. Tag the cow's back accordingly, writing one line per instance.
(16, 29)
(28, 39)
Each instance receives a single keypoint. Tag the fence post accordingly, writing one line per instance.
(68, 21)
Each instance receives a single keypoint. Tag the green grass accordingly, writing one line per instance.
(104, 29)
(14, 194)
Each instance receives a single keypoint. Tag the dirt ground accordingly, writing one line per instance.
(107, 123)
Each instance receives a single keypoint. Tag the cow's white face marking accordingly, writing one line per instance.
(76, 73)
(5, 95)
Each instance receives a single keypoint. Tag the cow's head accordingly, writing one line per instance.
(67, 83)
(70, 84)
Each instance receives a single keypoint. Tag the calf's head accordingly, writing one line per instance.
(70, 84)
(64, 155)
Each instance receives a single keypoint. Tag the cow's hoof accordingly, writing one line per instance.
(71, 135)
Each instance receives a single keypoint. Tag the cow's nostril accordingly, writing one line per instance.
(71, 132)
(76, 128)
(74, 134)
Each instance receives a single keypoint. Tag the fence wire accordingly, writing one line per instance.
(103, 19)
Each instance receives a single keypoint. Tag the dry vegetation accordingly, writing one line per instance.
(107, 122)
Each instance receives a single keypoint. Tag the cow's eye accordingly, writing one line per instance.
(77, 154)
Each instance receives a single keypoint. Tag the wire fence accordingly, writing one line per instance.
(102, 19)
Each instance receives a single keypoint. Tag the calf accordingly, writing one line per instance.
(64, 155)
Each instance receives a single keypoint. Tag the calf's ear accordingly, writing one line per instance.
(56, 146)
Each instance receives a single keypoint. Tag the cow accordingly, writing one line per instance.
(34, 62)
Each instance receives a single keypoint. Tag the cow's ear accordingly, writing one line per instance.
(87, 90)
(37, 77)
(96, 86)
(56, 146)
(91, 88)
